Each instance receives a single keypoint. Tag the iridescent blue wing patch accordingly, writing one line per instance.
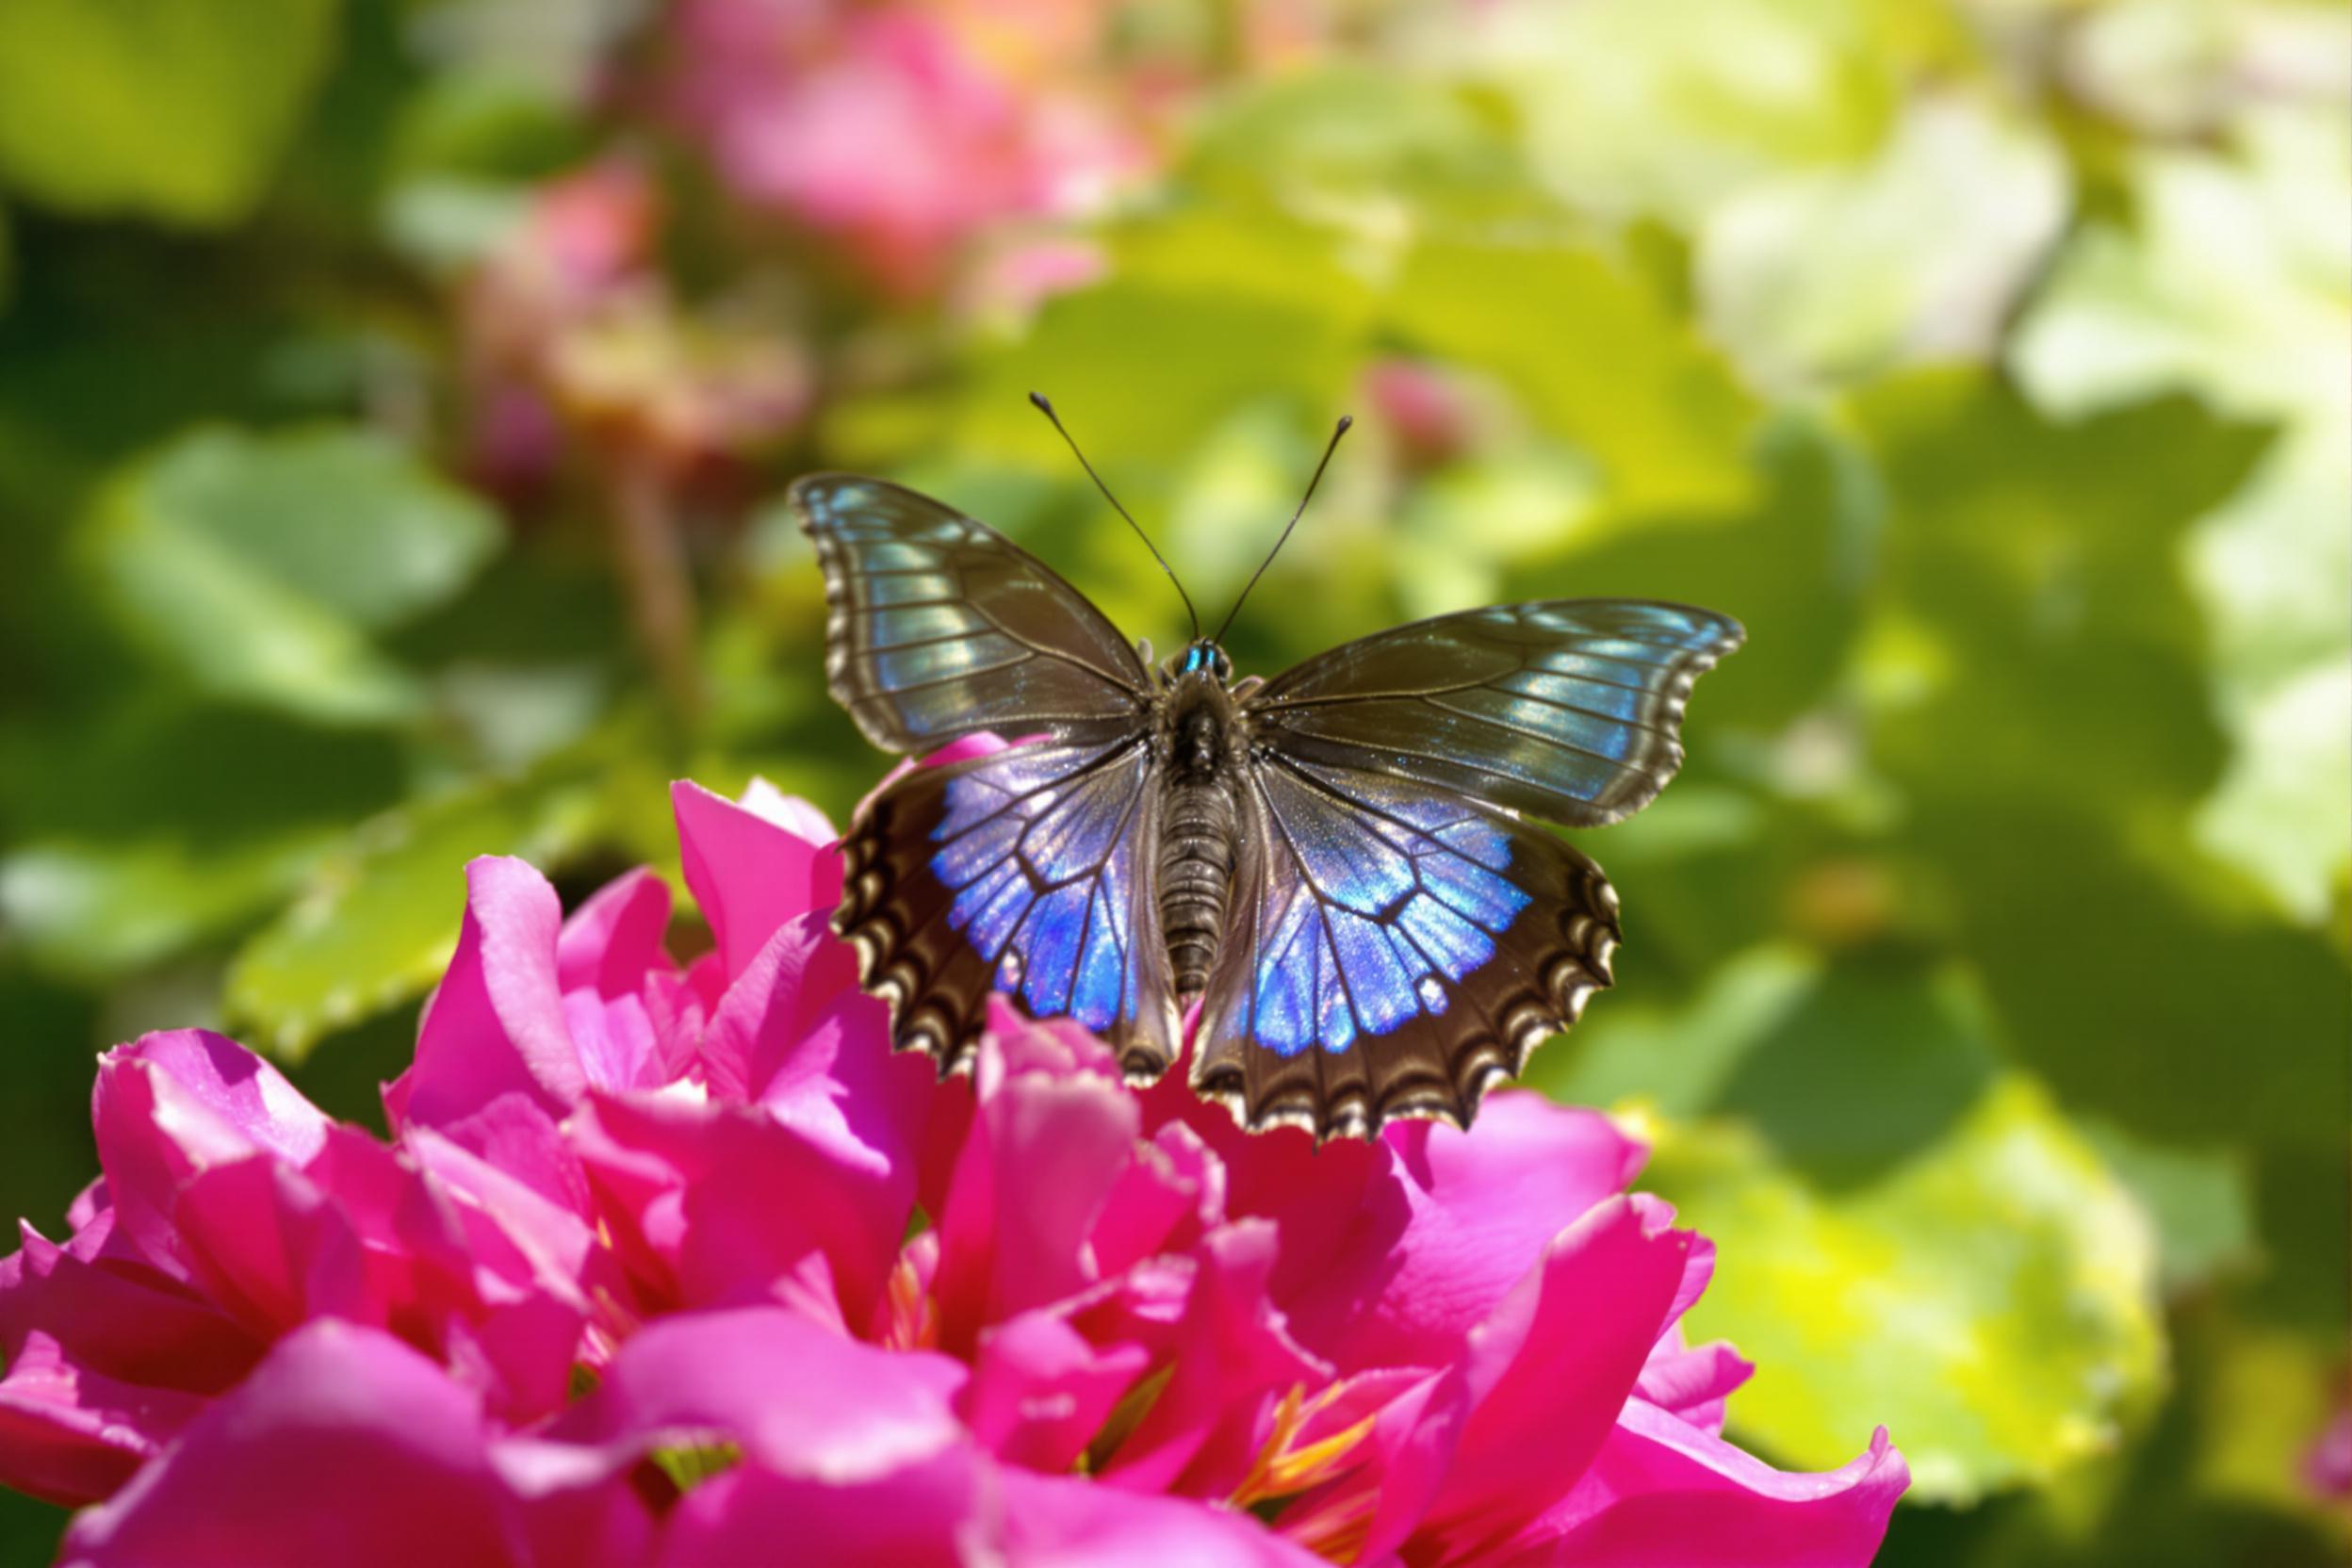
(937, 626)
(1568, 710)
(1022, 871)
(1393, 950)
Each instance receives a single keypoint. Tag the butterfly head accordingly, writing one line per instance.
(1203, 657)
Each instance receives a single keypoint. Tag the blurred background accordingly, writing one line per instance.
(396, 397)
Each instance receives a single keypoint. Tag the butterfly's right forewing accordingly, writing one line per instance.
(937, 626)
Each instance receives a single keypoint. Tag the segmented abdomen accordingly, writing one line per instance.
(1196, 879)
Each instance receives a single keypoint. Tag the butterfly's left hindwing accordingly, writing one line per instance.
(1020, 871)
(1394, 953)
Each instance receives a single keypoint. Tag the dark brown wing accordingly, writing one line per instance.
(1567, 710)
(1022, 872)
(937, 626)
(1392, 952)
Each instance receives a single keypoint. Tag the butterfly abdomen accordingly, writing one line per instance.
(1195, 881)
(1197, 823)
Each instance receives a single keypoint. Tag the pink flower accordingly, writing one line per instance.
(571, 322)
(668, 1262)
(898, 130)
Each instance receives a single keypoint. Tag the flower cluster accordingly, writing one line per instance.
(675, 1263)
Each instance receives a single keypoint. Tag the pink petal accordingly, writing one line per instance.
(1444, 1226)
(722, 1204)
(1061, 1522)
(748, 874)
(789, 812)
(1040, 1390)
(1549, 1370)
(613, 940)
(1048, 1146)
(1233, 1360)
(495, 1025)
(344, 1447)
(72, 1435)
(799, 1399)
(273, 1248)
(1693, 1383)
(172, 1106)
(1662, 1492)
(919, 1516)
(122, 1319)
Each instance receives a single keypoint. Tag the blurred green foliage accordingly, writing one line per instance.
(393, 395)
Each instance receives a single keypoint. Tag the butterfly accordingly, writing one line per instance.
(1336, 864)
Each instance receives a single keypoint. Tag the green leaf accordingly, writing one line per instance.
(1375, 150)
(1919, 252)
(1992, 1302)
(1598, 358)
(178, 109)
(1634, 107)
(97, 908)
(2202, 1201)
(2036, 565)
(377, 918)
(108, 870)
(257, 565)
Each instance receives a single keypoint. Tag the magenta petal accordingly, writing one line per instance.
(175, 1104)
(1040, 1390)
(1550, 1369)
(921, 1515)
(1231, 1361)
(273, 1249)
(122, 1319)
(243, 1093)
(1046, 1149)
(72, 1435)
(344, 1447)
(613, 940)
(749, 874)
(798, 1398)
(1061, 1522)
(1445, 1229)
(495, 1025)
(1663, 1493)
(732, 1205)
(1693, 1383)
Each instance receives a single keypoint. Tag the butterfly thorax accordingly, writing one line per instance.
(1203, 742)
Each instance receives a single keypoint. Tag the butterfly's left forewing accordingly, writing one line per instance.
(1568, 710)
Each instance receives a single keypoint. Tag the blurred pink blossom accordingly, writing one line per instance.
(666, 1263)
(571, 323)
(900, 131)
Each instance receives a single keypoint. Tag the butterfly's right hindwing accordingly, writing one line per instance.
(1025, 872)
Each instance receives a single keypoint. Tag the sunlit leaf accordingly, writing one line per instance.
(1595, 356)
(1992, 1300)
(1919, 254)
(378, 921)
(175, 108)
(256, 567)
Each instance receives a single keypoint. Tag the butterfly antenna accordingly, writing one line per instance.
(1345, 422)
(1047, 409)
